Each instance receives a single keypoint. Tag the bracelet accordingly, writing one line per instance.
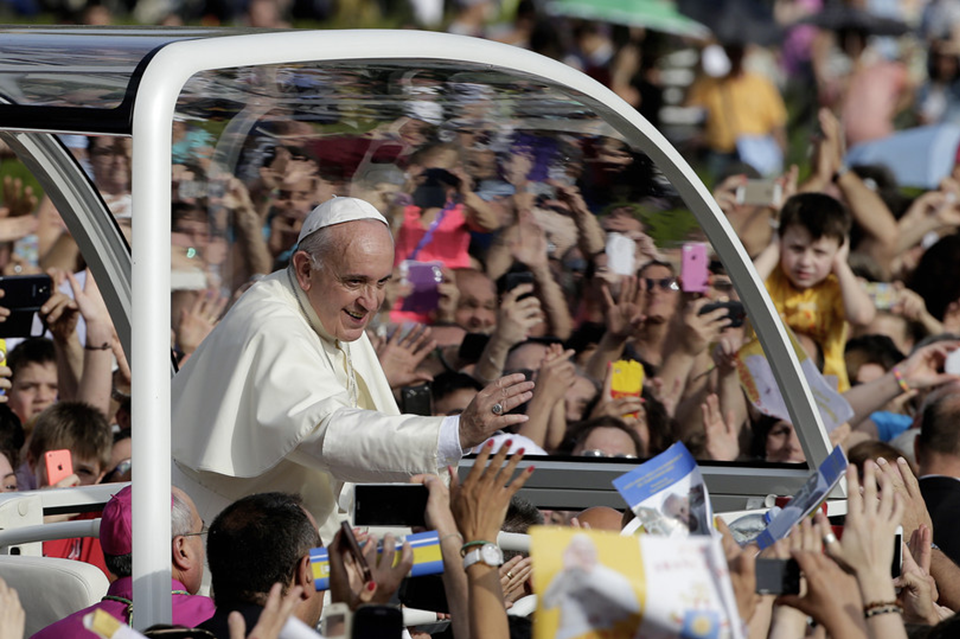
(470, 544)
(839, 173)
(881, 608)
(103, 347)
(904, 386)
(449, 536)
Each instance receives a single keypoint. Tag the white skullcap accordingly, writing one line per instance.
(338, 210)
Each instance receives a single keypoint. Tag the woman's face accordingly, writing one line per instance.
(8, 477)
(783, 444)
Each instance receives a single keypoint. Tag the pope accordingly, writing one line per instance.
(287, 393)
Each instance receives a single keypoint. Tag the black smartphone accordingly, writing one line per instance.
(471, 348)
(377, 622)
(735, 311)
(416, 400)
(346, 536)
(896, 567)
(424, 593)
(389, 505)
(23, 295)
(778, 576)
(514, 279)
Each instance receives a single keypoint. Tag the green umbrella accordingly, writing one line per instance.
(659, 15)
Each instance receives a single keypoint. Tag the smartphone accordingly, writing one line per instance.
(416, 400)
(693, 268)
(346, 536)
(950, 365)
(882, 294)
(424, 593)
(389, 505)
(59, 464)
(337, 620)
(896, 567)
(377, 622)
(735, 311)
(472, 346)
(778, 576)
(514, 279)
(23, 295)
(760, 193)
(425, 278)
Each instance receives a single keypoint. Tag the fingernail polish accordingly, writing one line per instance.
(489, 443)
(371, 586)
(508, 443)
(520, 452)
(530, 469)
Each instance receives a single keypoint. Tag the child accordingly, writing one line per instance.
(810, 281)
(84, 431)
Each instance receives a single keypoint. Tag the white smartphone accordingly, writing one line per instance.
(952, 363)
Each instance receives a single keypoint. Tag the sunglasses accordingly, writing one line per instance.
(666, 283)
(600, 453)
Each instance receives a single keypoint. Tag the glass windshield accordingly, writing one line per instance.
(496, 186)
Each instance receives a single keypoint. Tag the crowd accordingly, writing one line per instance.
(530, 250)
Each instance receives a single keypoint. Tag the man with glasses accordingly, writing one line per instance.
(116, 539)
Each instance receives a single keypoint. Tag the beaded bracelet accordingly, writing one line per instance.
(470, 544)
(904, 386)
(875, 608)
(882, 610)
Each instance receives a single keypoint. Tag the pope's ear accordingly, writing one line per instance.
(303, 268)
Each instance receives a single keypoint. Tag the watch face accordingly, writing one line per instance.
(491, 555)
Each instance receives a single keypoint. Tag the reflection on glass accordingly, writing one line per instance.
(529, 235)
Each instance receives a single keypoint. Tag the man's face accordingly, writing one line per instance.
(783, 445)
(34, 389)
(295, 199)
(805, 261)
(612, 442)
(348, 291)
(477, 308)
(192, 578)
(455, 402)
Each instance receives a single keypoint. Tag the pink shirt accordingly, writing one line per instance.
(188, 610)
(449, 243)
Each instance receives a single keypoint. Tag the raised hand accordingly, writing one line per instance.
(402, 354)
(488, 412)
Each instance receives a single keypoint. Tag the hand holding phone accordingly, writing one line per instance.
(346, 536)
(735, 311)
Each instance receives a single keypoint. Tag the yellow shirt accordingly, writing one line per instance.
(816, 312)
(747, 104)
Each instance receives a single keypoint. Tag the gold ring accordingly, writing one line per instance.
(509, 575)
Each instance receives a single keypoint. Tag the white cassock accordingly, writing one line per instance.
(271, 402)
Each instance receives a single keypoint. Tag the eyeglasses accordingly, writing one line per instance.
(600, 453)
(666, 283)
(203, 531)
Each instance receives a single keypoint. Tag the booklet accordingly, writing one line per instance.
(593, 584)
(667, 495)
(807, 499)
(758, 382)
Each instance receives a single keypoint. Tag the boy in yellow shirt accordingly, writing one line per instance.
(808, 277)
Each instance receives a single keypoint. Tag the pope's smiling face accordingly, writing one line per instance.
(348, 289)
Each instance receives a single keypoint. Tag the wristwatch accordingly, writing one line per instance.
(489, 554)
